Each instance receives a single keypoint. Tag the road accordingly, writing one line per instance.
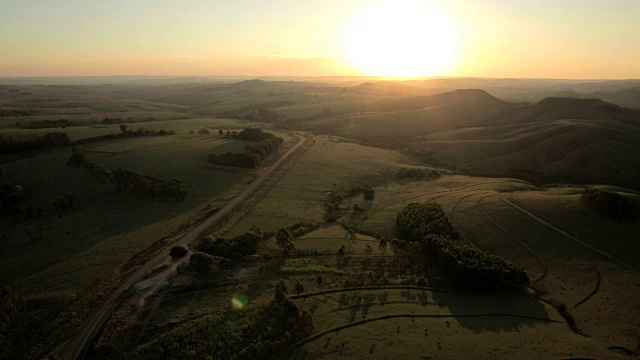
(83, 340)
(558, 230)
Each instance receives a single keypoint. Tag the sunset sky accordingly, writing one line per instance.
(481, 38)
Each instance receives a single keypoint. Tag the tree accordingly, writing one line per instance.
(299, 288)
(220, 132)
(280, 292)
(201, 263)
(123, 128)
(368, 249)
(341, 250)
(383, 243)
(350, 235)
(283, 240)
(256, 230)
(319, 281)
(178, 252)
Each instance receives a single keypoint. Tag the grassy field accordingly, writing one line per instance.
(330, 165)
(56, 258)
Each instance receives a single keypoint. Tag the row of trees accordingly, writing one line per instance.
(9, 146)
(461, 263)
(142, 186)
(257, 332)
(46, 124)
(124, 133)
(468, 267)
(416, 173)
(251, 157)
(611, 205)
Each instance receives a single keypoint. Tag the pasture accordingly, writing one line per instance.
(57, 257)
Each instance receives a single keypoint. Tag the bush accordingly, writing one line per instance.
(178, 252)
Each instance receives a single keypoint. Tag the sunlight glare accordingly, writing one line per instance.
(401, 40)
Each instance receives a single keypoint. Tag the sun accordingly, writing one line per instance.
(401, 40)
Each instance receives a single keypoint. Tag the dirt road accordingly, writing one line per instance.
(88, 332)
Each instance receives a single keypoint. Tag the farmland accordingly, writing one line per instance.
(325, 220)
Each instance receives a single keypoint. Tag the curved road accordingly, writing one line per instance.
(81, 342)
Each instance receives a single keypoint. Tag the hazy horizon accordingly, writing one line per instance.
(488, 39)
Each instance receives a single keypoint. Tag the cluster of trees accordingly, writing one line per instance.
(9, 146)
(46, 124)
(254, 134)
(142, 186)
(461, 263)
(15, 112)
(611, 204)
(124, 133)
(234, 248)
(415, 173)
(257, 332)
(429, 157)
(467, 267)
(416, 221)
(251, 157)
(111, 121)
(284, 240)
(147, 187)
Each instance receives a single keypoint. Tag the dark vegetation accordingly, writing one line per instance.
(468, 267)
(611, 205)
(416, 221)
(141, 186)
(461, 263)
(178, 252)
(47, 124)
(254, 333)
(15, 112)
(415, 173)
(9, 146)
(266, 144)
(245, 244)
(124, 133)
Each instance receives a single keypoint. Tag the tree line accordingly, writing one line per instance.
(257, 332)
(9, 146)
(252, 155)
(125, 133)
(415, 173)
(461, 263)
(611, 205)
(141, 186)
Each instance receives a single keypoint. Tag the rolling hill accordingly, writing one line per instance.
(555, 139)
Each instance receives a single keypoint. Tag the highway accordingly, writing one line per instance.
(81, 342)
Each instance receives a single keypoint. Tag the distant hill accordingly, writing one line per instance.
(555, 108)
(410, 117)
(563, 139)
(628, 97)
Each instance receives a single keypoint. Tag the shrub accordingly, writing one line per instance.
(178, 252)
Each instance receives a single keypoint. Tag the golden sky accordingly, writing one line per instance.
(480, 38)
